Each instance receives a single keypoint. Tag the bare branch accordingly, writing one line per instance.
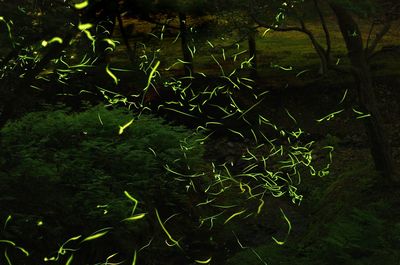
(371, 28)
(370, 49)
(322, 53)
(325, 28)
(131, 53)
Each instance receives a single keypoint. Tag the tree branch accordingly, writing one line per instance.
(370, 48)
(131, 53)
(325, 28)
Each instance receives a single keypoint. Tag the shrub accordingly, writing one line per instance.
(69, 170)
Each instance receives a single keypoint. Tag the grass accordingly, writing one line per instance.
(287, 49)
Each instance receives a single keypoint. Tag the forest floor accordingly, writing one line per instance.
(331, 204)
(351, 183)
(328, 201)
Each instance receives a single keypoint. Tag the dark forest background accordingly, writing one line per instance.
(199, 132)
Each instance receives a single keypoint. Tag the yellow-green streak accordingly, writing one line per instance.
(180, 112)
(344, 96)
(7, 258)
(260, 206)
(151, 75)
(166, 231)
(81, 5)
(134, 258)
(123, 127)
(96, 235)
(233, 215)
(111, 74)
(135, 202)
(85, 26)
(7, 242)
(23, 251)
(290, 115)
(236, 132)
(204, 261)
(330, 116)
(70, 260)
(288, 232)
(135, 217)
(9, 217)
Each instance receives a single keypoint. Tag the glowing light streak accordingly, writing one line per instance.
(174, 242)
(234, 215)
(98, 234)
(81, 5)
(330, 116)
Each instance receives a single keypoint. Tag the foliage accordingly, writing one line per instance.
(33, 45)
(83, 164)
(69, 170)
(359, 238)
(347, 227)
(362, 8)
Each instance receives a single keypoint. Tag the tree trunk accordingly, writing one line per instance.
(125, 38)
(253, 53)
(328, 41)
(322, 54)
(103, 15)
(187, 55)
(380, 147)
(323, 57)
